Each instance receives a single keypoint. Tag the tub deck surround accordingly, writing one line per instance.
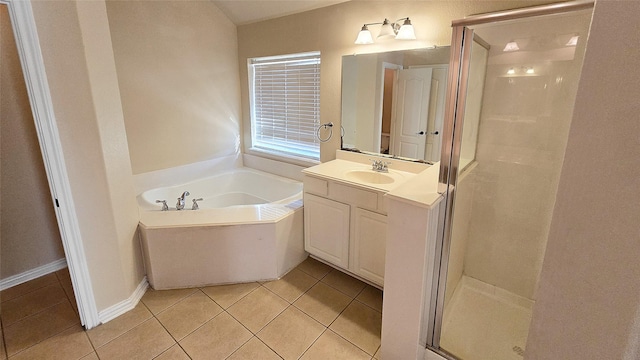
(249, 228)
(238, 196)
(239, 186)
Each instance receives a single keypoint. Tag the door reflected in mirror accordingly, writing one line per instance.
(393, 102)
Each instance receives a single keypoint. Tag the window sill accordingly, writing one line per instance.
(278, 156)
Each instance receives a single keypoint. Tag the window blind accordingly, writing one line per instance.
(286, 104)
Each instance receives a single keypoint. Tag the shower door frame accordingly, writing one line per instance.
(461, 43)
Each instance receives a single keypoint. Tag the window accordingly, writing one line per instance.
(285, 104)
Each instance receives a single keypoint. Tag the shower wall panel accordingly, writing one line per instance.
(523, 132)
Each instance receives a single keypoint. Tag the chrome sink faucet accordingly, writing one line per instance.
(379, 166)
(180, 203)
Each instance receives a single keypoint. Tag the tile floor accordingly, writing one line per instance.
(313, 312)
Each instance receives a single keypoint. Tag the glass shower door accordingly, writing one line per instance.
(507, 143)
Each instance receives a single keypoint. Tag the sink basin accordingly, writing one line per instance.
(368, 176)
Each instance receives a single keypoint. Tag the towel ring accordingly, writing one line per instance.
(327, 125)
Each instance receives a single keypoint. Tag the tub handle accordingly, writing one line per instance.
(195, 204)
(165, 207)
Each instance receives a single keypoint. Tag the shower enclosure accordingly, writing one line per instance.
(514, 77)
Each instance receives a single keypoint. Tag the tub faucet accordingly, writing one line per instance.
(195, 204)
(180, 203)
(165, 207)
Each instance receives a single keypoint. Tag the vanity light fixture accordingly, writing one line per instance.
(388, 30)
(529, 70)
(511, 71)
(511, 46)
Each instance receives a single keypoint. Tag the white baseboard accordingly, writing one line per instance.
(122, 307)
(43, 270)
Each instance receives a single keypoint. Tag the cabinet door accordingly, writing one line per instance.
(370, 245)
(326, 229)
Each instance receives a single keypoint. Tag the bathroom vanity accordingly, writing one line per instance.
(345, 212)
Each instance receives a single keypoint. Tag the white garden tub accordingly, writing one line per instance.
(249, 227)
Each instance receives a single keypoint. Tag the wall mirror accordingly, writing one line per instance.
(393, 102)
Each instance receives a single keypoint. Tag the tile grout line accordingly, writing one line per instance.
(43, 309)
(341, 312)
(121, 335)
(228, 313)
(37, 313)
(365, 304)
(314, 341)
(4, 343)
(177, 342)
(326, 327)
(32, 290)
(37, 343)
(176, 303)
(225, 310)
(289, 304)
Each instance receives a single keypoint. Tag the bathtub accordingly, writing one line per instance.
(249, 228)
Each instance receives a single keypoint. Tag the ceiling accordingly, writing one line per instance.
(243, 12)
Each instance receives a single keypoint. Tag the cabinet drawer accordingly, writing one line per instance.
(359, 197)
(316, 186)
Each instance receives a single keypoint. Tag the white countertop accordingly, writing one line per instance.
(415, 183)
(336, 170)
(421, 190)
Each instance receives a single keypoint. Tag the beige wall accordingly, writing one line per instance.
(76, 47)
(589, 297)
(332, 31)
(178, 73)
(28, 228)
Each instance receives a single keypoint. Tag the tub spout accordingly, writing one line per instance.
(180, 203)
